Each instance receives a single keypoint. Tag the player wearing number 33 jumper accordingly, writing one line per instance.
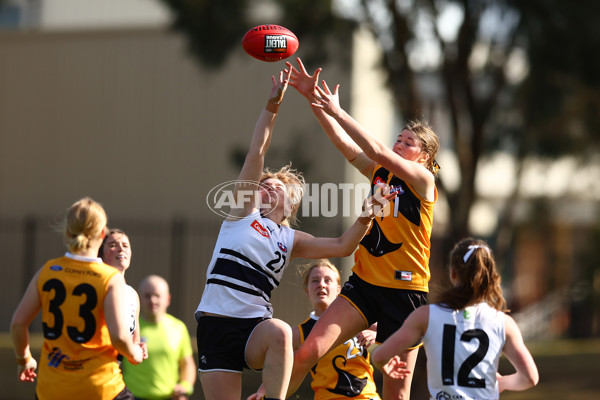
(255, 245)
(81, 300)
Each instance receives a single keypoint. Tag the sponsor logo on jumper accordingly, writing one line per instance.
(443, 396)
(396, 189)
(393, 189)
(404, 275)
(447, 396)
(275, 44)
(56, 356)
(74, 365)
(56, 268)
(82, 272)
(282, 247)
(259, 228)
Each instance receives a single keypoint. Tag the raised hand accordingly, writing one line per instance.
(279, 87)
(304, 83)
(326, 100)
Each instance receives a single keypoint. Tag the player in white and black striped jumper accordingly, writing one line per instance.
(255, 244)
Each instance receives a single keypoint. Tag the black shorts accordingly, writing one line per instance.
(222, 342)
(387, 306)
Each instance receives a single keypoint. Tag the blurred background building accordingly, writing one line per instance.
(121, 113)
(102, 98)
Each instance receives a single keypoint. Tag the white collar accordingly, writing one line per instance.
(82, 258)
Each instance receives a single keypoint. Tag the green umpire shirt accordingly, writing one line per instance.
(168, 342)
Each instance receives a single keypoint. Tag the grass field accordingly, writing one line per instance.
(569, 370)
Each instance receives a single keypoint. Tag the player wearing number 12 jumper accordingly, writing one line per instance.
(464, 332)
(81, 300)
(255, 244)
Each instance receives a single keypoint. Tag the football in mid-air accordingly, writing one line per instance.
(270, 42)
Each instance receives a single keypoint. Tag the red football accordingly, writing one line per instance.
(270, 42)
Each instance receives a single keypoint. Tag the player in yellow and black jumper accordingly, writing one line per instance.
(81, 300)
(346, 371)
(391, 271)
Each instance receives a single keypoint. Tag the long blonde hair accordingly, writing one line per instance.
(84, 222)
(294, 183)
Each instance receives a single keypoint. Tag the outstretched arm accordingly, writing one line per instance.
(408, 170)
(516, 352)
(261, 139)
(308, 246)
(307, 86)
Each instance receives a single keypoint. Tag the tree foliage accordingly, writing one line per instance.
(213, 28)
(560, 98)
(548, 107)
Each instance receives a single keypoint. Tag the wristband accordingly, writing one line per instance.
(361, 161)
(189, 389)
(272, 107)
(22, 361)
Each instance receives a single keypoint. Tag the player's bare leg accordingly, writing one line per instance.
(221, 385)
(269, 349)
(339, 322)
